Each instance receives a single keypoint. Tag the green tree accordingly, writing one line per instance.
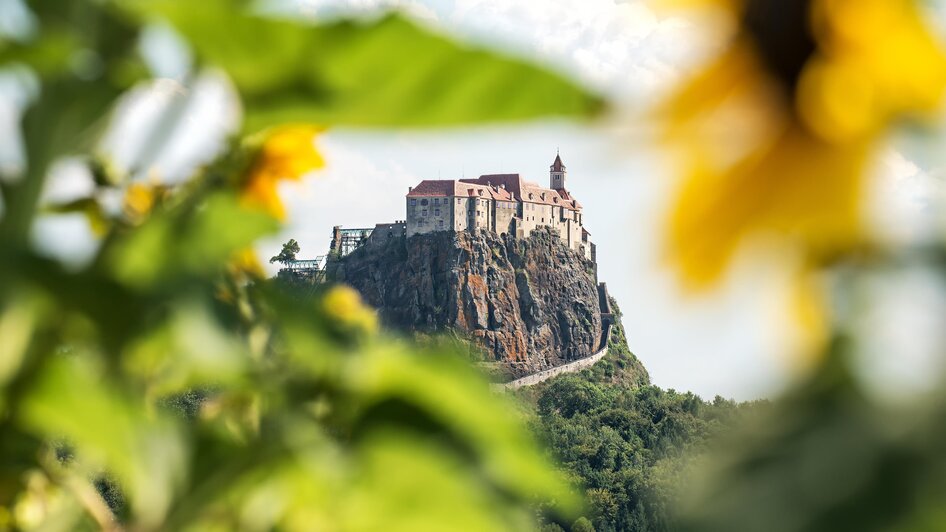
(288, 253)
(629, 445)
(582, 524)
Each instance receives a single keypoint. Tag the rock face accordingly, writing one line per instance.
(530, 304)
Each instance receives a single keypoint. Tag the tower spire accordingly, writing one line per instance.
(557, 173)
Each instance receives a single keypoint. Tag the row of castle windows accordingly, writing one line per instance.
(421, 223)
(445, 201)
(500, 204)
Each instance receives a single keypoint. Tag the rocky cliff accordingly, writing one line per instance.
(529, 304)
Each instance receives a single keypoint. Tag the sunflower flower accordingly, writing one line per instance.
(287, 153)
(776, 133)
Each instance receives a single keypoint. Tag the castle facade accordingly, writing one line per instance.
(502, 203)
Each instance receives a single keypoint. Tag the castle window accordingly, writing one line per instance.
(440, 224)
(423, 202)
(459, 201)
(437, 212)
(413, 202)
(424, 213)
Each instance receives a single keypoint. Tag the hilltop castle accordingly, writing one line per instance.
(502, 203)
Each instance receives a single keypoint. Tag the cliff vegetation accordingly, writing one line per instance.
(627, 445)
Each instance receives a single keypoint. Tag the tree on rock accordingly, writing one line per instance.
(288, 253)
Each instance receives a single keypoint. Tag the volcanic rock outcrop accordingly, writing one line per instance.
(530, 304)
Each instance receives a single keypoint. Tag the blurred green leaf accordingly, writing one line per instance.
(75, 400)
(188, 352)
(366, 73)
(88, 207)
(187, 240)
(494, 432)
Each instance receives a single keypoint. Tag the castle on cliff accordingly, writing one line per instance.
(501, 203)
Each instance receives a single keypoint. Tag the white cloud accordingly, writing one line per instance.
(905, 201)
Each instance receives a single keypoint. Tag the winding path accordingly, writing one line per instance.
(571, 367)
(577, 365)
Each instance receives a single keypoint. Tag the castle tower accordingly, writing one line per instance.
(557, 174)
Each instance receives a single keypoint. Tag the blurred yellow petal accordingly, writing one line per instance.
(723, 79)
(344, 305)
(139, 200)
(837, 102)
(246, 262)
(795, 187)
(768, 155)
(809, 308)
(877, 60)
(288, 153)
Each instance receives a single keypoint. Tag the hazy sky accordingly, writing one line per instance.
(730, 343)
(726, 344)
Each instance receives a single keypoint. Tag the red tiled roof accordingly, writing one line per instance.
(501, 187)
(458, 189)
(429, 187)
(511, 182)
(567, 197)
(521, 190)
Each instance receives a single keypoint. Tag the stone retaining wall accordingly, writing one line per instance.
(571, 367)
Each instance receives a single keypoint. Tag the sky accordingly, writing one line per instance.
(732, 342)
(728, 344)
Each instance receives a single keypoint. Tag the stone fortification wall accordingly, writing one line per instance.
(571, 367)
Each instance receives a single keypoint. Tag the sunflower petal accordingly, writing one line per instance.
(796, 187)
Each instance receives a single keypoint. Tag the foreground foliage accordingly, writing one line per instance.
(165, 385)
